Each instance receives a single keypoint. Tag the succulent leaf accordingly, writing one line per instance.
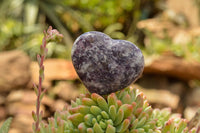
(105, 115)
(127, 109)
(112, 100)
(126, 99)
(102, 103)
(112, 112)
(95, 110)
(97, 128)
(134, 124)
(88, 119)
(110, 129)
(141, 122)
(82, 127)
(123, 126)
(90, 130)
(76, 118)
(88, 102)
(95, 96)
(119, 117)
(139, 101)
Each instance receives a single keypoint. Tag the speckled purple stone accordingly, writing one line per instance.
(106, 65)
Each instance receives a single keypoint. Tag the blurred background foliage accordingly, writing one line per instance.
(189, 50)
(23, 21)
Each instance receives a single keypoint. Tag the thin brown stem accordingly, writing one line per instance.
(38, 96)
(50, 35)
(40, 88)
(38, 103)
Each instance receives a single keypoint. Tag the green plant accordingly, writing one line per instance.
(126, 111)
(49, 36)
(6, 125)
(30, 16)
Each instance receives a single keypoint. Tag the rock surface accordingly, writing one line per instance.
(160, 97)
(14, 70)
(55, 69)
(180, 6)
(173, 66)
(66, 91)
(105, 65)
(153, 65)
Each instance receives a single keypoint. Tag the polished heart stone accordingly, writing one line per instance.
(106, 65)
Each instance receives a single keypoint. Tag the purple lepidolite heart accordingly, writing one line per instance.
(106, 65)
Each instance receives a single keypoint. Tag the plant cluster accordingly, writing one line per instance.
(126, 111)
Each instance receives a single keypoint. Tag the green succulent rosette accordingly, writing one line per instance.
(170, 123)
(126, 111)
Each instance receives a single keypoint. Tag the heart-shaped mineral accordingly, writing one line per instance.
(106, 65)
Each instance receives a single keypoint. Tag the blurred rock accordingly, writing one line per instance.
(190, 111)
(15, 130)
(59, 105)
(193, 99)
(22, 123)
(195, 121)
(177, 18)
(55, 69)
(162, 97)
(20, 108)
(21, 102)
(3, 113)
(186, 7)
(15, 96)
(28, 97)
(163, 27)
(166, 65)
(148, 81)
(66, 91)
(48, 101)
(159, 27)
(14, 70)
(195, 32)
(162, 82)
(173, 66)
(178, 88)
(182, 37)
(2, 99)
